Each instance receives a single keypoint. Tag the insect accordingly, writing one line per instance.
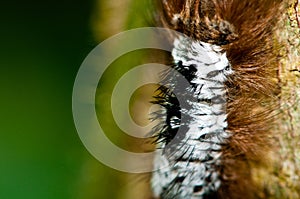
(216, 129)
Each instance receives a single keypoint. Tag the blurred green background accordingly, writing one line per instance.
(43, 44)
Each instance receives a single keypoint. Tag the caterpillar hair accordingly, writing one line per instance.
(225, 122)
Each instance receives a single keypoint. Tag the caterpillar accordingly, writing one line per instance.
(221, 130)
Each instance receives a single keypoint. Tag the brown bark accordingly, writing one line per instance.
(282, 180)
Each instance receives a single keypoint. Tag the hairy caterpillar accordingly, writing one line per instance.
(231, 66)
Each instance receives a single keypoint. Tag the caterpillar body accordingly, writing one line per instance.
(213, 138)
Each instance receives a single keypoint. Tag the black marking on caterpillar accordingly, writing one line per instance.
(193, 154)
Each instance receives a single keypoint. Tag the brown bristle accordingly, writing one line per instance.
(251, 93)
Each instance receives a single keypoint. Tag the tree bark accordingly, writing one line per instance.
(283, 178)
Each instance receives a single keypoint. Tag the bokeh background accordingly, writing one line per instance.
(43, 44)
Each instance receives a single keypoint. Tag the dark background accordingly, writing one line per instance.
(42, 46)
